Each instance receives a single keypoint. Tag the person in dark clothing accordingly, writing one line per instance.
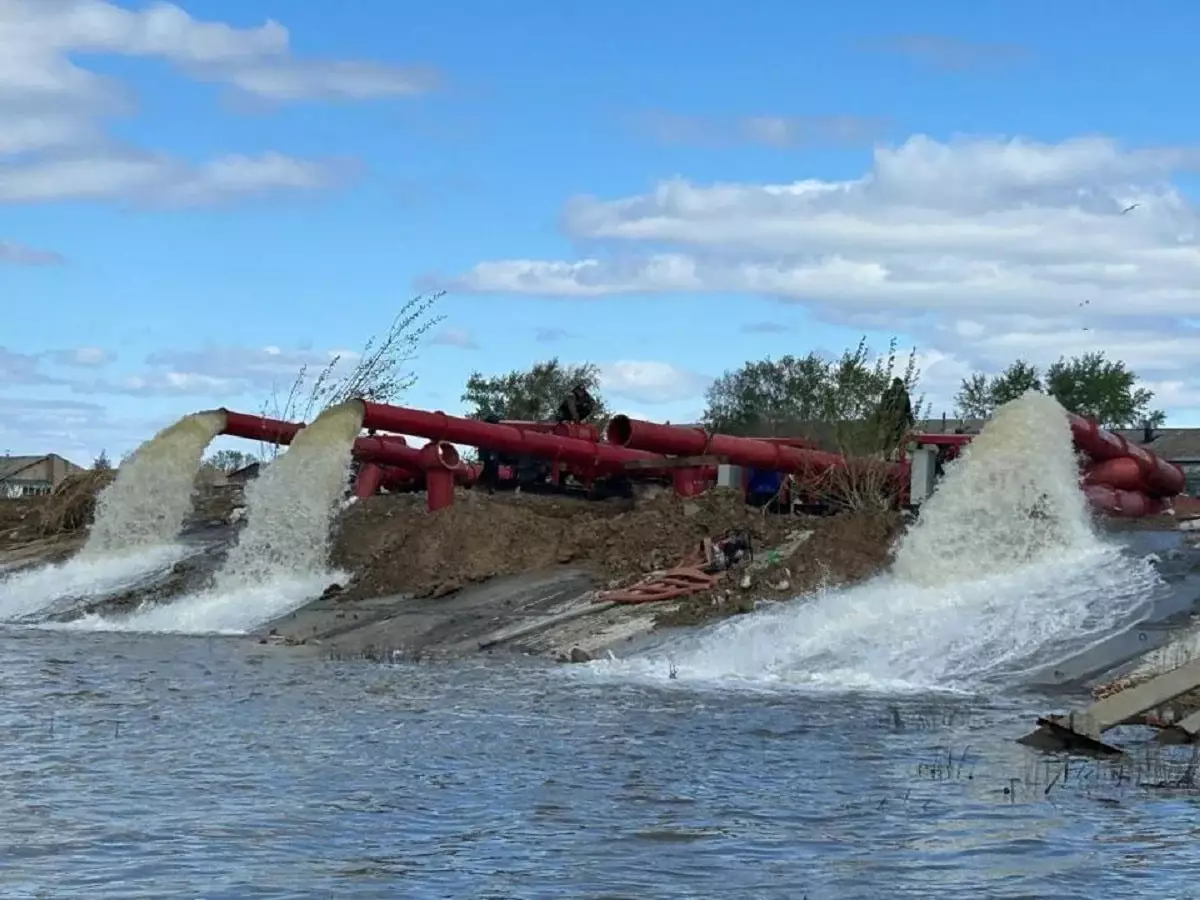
(895, 415)
(577, 406)
(489, 460)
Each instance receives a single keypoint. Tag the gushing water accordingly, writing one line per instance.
(281, 558)
(1003, 569)
(137, 522)
(152, 494)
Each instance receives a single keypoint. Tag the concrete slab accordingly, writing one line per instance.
(493, 615)
(1083, 730)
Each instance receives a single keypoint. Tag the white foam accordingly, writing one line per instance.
(979, 588)
(230, 612)
(28, 592)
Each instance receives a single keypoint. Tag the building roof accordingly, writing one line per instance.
(1175, 444)
(15, 467)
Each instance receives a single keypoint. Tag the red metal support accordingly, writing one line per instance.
(689, 482)
(370, 477)
(439, 461)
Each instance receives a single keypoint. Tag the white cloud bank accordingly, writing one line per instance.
(981, 249)
(53, 145)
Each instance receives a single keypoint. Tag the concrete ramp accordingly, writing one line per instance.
(494, 615)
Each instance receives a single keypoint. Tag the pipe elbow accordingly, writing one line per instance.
(440, 455)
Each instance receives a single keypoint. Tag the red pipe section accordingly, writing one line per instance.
(388, 459)
(678, 440)
(583, 431)
(594, 457)
(1112, 457)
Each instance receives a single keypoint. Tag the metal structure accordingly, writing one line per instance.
(1120, 478)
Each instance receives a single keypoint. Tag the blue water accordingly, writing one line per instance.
(156, 767)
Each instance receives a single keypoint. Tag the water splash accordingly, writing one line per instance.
(1011, 498)
(281, 559)
(26, 593)
(146, 504)
(1003, 572)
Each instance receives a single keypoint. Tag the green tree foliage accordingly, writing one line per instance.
(230, 460)
(533, 394)
(101, 463)
(1090, 385)
(1103, 389)
(781, 396)
(979, 395)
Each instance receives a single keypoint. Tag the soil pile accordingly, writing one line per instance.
(393, 546)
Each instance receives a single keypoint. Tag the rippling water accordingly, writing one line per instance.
(160, 767)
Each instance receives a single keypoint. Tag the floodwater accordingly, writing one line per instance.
(140, 766)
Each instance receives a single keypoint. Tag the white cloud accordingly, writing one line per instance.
(763, 130)
(74, 429)
(651, 382)
(981, 224)
(981, 249)
(455, 337)
(52, 110)
(20, 255)
(82, 357)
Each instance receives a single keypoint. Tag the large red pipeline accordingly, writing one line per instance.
(512, 439)
(678, 440)
(376, 451)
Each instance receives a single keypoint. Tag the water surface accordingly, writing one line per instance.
(180, 767)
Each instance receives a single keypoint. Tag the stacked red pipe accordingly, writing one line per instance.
(1122, 478)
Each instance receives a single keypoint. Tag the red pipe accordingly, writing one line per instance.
(377, 451)
(370, 477)
(439, 461)
(1159, 478)
(583, 431)
(677, 440)
(500, 438)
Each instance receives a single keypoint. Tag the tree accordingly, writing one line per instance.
(768, 396)
(979, 395)
(1105, 390)
(230, 460)
(101, 463)
(1089, 385)
(534, 394)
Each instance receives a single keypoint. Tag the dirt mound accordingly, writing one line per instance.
(394, 546)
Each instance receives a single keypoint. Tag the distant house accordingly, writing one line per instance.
(33, 476)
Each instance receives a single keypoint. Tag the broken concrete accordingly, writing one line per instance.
(1083, 730)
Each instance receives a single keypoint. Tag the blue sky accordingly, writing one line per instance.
(585, 181)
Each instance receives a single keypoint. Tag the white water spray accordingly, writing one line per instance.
(281, 558)
(137, 521)
(152, 494)
(1003, 570)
